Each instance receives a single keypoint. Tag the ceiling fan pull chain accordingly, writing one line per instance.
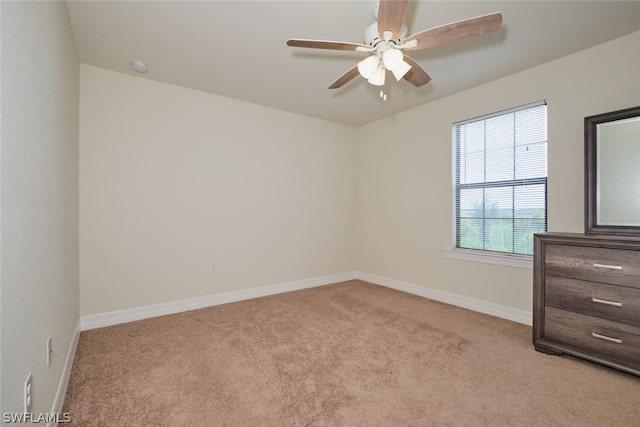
(384, 87)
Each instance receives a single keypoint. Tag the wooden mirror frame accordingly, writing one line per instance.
(591, 173)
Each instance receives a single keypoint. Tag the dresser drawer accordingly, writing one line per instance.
(612, 302)
(605, 337)
(605, 265)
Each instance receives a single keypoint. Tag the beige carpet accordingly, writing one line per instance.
(349, 354)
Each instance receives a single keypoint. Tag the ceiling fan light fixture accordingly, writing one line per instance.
(368, 66)
(401, 70)
(392, 58)
(377, 78)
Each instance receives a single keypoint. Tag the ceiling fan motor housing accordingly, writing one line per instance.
(373, 39)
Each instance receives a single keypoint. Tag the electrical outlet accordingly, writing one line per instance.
(49, 350)
(213, 267)
(28, 393)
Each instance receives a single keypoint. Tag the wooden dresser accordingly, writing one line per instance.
(586, 298)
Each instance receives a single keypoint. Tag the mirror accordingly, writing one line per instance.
(612, 172)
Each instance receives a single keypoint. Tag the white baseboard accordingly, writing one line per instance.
(130, 315)
(509, 313)
(66, 374)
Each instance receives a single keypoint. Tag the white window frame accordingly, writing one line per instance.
(480, 255)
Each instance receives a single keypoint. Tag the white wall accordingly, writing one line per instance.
(39, 205)
(404, 170)
(172, 179)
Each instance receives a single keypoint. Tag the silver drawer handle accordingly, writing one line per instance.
(604, 301)
(611, 267)
(604, 337)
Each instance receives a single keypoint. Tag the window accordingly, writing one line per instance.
(501, 180)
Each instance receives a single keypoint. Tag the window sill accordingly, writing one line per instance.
(517, 261)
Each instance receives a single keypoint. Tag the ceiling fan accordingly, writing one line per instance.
(387, 38)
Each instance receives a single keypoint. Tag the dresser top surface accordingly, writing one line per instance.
(580, 238)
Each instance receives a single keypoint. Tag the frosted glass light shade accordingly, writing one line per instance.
(367, 66)
(392, 59)
(401, 70)
(377, 78)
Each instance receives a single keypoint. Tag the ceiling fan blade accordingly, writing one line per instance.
(416, 75)
(391, 14)
(455, 31)
(345, 78)
(323, 44)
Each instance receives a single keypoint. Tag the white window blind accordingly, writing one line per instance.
(501, 180)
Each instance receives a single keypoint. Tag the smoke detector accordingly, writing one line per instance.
(138, 65)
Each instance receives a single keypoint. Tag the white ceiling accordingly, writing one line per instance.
(238, 48)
